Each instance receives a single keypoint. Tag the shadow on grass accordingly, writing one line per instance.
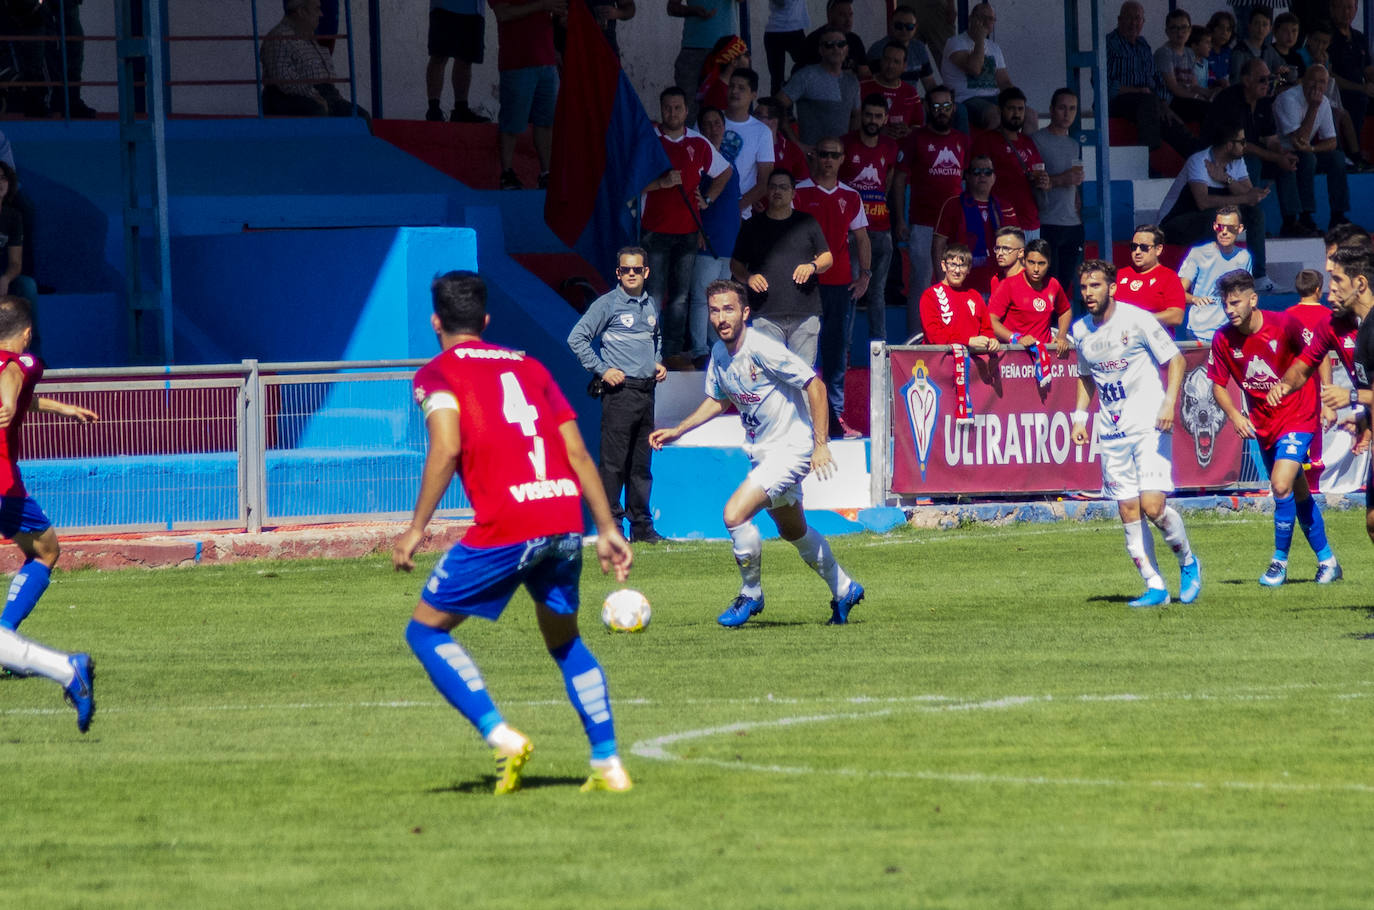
(484, 785)
(1117, 599)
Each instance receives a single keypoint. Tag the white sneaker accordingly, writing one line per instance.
(1265, 285)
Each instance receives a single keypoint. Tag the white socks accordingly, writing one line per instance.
(815, 552)
(1137, 532)
(21, 655)
(1171, 525)
(748, 547)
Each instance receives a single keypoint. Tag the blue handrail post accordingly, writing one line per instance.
(62, 51)
(352, 75)
(257, 56)
(374, 51)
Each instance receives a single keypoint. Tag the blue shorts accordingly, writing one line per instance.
(1288, 447)
(528, 96)
(21, 516)
(477, 581)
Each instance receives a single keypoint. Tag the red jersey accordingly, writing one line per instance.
(1337, 334)
(1013, 160)
(11, 484)
(867, 170)
(513, 463)
(934, 165)
(976, 232)
(951, 316)
(788, 157)
(1154, 291)
(714, 92)
(524, 41)
(673, 210)
(1026, 311)
(839, 210)
(904, 106)
(1257, 362)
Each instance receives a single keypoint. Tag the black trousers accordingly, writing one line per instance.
(627, 419)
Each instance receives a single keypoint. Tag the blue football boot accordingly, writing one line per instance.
(1275, 575)
(1153, 597)
(1189, 581)
(739, 611)
(80, 692)
(839, 609)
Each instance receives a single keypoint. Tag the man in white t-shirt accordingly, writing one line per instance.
(1213, 178)
(1120, 350)
(1308, 130)
(782, 405)
(1203, 267)
(975, 69)
(748, 144)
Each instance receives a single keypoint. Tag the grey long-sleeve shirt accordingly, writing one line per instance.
(618, 331)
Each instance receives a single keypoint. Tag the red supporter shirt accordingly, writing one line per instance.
(1026, 311)
(788, 157)
(527, 41)
(11, 484)
(513, 464)
(1337, 334)
(953, 226)
(951, 316)
(867, 170)
(934, 167)
(666, 211)
(1012, 160)
(714, 93)
(1154, 291)
(1257, 362)
(839, 210)
(904, 106)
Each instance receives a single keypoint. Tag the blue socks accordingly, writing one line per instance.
(1285, 514)
(1313, 527)
(453, 674)
(586, 686)
(28, 585)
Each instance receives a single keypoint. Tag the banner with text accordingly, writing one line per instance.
(1020, 439)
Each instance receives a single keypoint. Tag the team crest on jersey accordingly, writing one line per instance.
(26, 360)
(1039, 304)
(1306, 336)
(842, 203)
(1274, 345)
(1137, 285)
(627, 320)
(921, 398)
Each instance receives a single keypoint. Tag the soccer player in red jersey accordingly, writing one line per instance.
(1147, 283)
(1255, 349)
(954, 314)
(23, 521)
(1312, 314)
(497, 417)
(1024, 306)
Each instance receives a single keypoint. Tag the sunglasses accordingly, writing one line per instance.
(980, 172)
(831, 45)
(942, 105)
(830, 154)
(905, 26)
(1143, 247)
(632, 270)
(1226, 228)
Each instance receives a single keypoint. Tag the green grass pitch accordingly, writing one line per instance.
(995, 728)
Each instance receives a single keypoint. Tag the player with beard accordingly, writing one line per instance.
(782, 405)
(1255, 349)
(1352, 275)
(1120, 351)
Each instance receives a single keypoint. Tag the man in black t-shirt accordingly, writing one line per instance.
(778, 255)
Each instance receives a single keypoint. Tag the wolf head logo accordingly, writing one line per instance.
(1202, 416)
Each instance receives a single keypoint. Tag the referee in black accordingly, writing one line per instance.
(620, 342)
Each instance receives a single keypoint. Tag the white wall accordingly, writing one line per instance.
(1030, 31)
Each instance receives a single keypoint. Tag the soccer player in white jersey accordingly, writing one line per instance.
(1120, 350)
(782, 404)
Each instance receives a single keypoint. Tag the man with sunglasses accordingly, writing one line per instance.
(824, 96)
(1148, 283)
(1202, 270)
(1211, 179)
(973, 218)
(619, 341)
(931, 161)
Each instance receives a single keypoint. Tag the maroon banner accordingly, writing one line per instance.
(1021, 439)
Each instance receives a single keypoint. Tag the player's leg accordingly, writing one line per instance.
(1155, 470)
(75, 673)
(1281, 475)
(1136, 531)
(554, 586)
(747, 501)
(814, 550)
(1290, 455)
(470, 582)
(23, 521)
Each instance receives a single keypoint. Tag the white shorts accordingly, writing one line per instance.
(1137, 463)
(780, 474)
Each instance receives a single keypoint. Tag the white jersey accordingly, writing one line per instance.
(1124, 355)
(765, 382)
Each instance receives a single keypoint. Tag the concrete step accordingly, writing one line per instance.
(1147, 195)
(1127, 162)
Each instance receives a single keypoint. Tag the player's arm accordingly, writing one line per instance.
(1061, 341)
(1298, 372)
(822, 465)
(863, 253)
(1086, 387)
(1177, 367)
(708, 409)
(1239, 422)
(1002, 332)
(51, 406)
(11, 381)
(441, 462)
(612, 550)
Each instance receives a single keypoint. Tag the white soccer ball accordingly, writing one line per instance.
(625, 610)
